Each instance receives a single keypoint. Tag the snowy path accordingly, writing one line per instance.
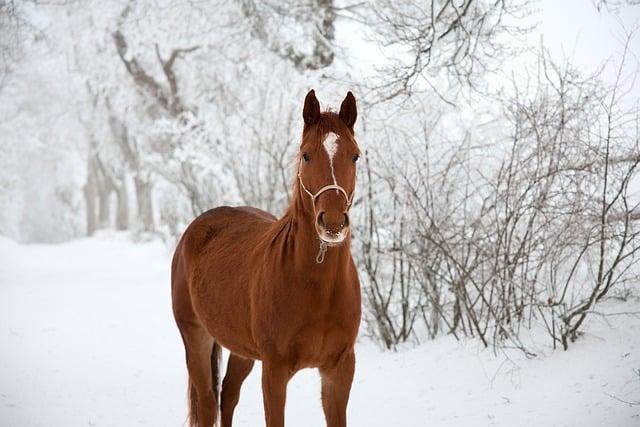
(87, 338)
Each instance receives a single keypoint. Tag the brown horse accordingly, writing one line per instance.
(283, 291)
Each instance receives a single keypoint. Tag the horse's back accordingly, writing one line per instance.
(223, 220)
(224, 229)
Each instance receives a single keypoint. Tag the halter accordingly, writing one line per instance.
(314, 197)
(322, 190)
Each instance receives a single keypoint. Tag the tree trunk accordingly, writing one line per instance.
(144, 202)
(104, 212)
(122, 209)
(90, 195)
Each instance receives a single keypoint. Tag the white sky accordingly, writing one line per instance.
(570, 29)
(575, 30)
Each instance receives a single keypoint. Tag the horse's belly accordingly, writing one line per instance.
(313, 348)
(223, 308)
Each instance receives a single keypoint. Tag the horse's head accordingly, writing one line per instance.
(327, 168)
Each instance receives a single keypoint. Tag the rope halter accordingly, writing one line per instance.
(314, 197)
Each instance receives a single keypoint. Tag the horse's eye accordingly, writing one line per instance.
(306, 157)
(356, 157)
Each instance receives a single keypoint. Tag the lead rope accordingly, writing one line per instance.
(321, 252)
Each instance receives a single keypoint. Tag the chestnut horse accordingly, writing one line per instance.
(283, 291)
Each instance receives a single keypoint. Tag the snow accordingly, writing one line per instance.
(87, 338)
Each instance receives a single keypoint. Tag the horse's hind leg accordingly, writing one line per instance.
(202, 352)
(202, 364)
(238, 369)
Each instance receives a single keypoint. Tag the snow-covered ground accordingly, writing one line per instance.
(87, 338)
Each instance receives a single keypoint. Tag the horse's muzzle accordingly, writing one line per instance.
(332, 229)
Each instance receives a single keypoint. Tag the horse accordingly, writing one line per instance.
(282, 291)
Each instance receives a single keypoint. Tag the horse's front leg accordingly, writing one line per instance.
(336, 385)
(275, 376)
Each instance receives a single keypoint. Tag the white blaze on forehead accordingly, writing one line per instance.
(331, 146)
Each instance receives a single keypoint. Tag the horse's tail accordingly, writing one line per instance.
(216, 353)
(192, 397)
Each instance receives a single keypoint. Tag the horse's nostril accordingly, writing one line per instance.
(346, 220)
(321, 219)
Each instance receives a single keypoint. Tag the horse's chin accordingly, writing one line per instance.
(333, 239)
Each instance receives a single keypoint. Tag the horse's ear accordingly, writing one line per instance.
(348, 111)
(311, 111)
